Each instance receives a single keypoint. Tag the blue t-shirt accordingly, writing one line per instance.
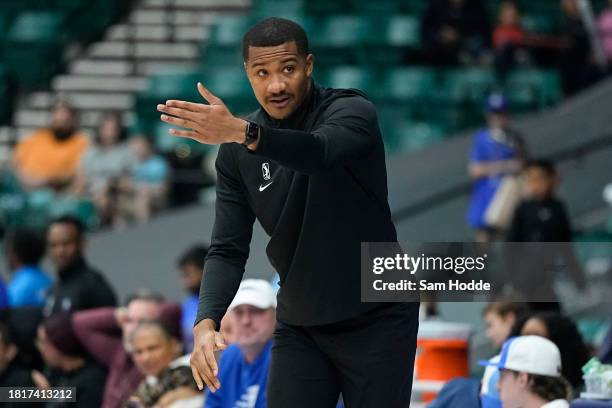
(4, 301)
(154, 170)
(189, 310)
(28, 287)
(243, 385)
(486, 149)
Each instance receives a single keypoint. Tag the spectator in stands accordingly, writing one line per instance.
(541, 216)
(68, 364)
(530, 374)
(497, 151)
(577, 63)
(103, 163)
(191, 267)
(562, 331)
(50, 156)
(500, 317)
(157, 354)
(244, 365)
(605, 28)
(78, 285)
(508, 38)
(105, 333)
(144, 188)
(11, 373)
(454, 30)
(29, 284)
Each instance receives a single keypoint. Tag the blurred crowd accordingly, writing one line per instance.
(461, 32)
(68, 329)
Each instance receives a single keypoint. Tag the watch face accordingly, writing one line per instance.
(252, 133)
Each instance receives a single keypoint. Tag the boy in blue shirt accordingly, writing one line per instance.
(29, 284)
(244, 365)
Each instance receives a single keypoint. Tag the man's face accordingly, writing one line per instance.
(280, 77)
(138, 310)
(513, 388)
(498, 327)
(252, 326)
(65, 245)
(538, 183)
(62, 119)
(49, 353)
(498, 120)
(7, 354)
(191, 276)
(152, 351)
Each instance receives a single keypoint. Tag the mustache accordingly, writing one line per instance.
(279, 96)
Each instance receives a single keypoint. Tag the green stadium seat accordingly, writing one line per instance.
(326, 7)
(546, 84)
(33, 48)
(278, 8)
(409, 83)
(468, 84)
(378, 7)
(337, 39)
(223, 46)
(172, 84)
(408, 135)
(539, 23)
(350, 76)
(389, 39)
(39, 26)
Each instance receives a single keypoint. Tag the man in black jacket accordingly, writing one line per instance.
(78, 285)
(310, 166)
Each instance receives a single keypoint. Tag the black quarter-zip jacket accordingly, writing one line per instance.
(317, 183)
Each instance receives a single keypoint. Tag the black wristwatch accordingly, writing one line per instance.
(251, 135)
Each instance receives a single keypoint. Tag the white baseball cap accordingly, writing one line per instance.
(529, 354)
(254, 292)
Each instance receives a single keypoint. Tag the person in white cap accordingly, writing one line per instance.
(244, 365)
(530, 374)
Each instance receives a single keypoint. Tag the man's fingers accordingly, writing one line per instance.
(211, 365)
(198, 363)
(190, 134)
(190, 106)
(197, 377)
(181, 113)
(206, 94)
(179, 122)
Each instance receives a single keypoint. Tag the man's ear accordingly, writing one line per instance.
(524, 380)
(309, 64)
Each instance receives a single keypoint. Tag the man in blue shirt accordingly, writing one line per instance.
(191, 268)
(496, 152)
(29, 284)
(244, 365)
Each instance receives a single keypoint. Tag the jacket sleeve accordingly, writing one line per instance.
(231, 238)
(98, 331)
(349, 130)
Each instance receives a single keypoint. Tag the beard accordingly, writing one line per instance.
(62, 134)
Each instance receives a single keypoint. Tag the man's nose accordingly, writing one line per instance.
(277, 85)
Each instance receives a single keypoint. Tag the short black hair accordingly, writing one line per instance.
(545, 165)
(275, 31)
(194, 255)
(70, 220)
(27, 245)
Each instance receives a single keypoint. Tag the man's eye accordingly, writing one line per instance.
(262, 72)
(289, 69)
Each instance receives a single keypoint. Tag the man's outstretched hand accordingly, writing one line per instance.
(211, 123)
(204, 366)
